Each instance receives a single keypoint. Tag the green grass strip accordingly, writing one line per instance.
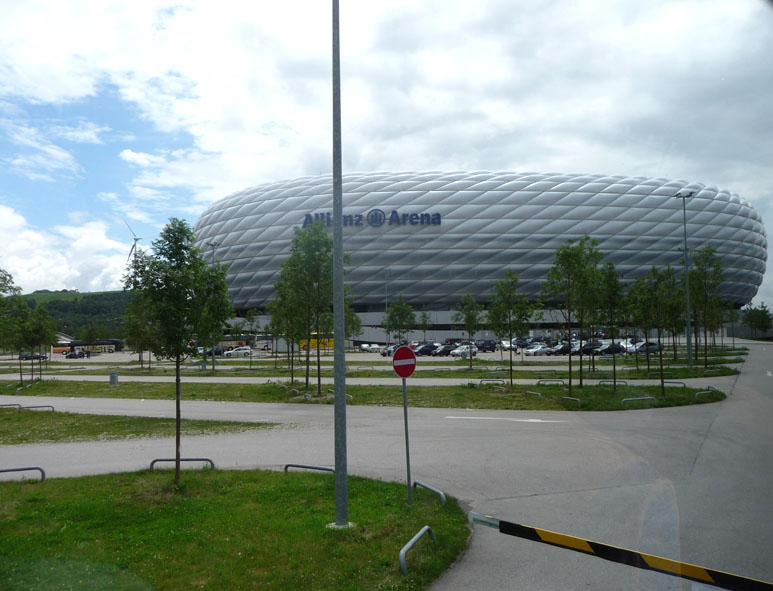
(54, 427)
(219, 530)
(464, 396)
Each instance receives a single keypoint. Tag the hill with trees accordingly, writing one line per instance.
(97, 314)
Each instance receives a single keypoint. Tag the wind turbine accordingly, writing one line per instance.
(136, 240)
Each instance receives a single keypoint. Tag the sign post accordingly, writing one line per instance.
(404, 362)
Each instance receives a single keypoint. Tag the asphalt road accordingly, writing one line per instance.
(691, 484)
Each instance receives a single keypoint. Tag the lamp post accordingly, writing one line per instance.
(339, 351)
(688, 328)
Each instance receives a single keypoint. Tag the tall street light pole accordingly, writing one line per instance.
(339, 351)
(688, 328)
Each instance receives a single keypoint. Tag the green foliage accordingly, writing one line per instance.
(74, 311)
(399, 319)
(469, 314)
(424, 323)
(758, 319)
(509, 312)
(7, 286)
(571, 284)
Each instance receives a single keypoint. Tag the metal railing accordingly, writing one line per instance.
(438, 492)
(577, 400)
(411, 544)
(624, 400)
(157, 460)
(27, 469)
(310, 467)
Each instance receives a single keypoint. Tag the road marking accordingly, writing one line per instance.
(507, 419)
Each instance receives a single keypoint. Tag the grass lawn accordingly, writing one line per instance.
(219, 530)
(469, 396)
(48, 427)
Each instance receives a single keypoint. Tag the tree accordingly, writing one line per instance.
(610, 298)
(424, 323)
(182, 293)
(469, 314)
(252, 324)
(758, 319)
(307, 278)
(399, 319)
(7, 286)
(40, 332)
(705, 277)
(138, 326)
(567, 283)
(287, 319)
(509, 312)
(656, 293)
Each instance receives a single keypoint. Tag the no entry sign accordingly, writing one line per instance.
(404, 361)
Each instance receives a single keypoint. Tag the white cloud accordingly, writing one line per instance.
(86, 132)
(40, 158)
(65, 257)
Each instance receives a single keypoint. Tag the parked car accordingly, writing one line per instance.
(218, 351)
(425, 349)
(647, 347)
(443, 350)
(75, 355)
(559, 349)
(610, 349)
(374, 348)
(591, 347)
(388, 351)
(464, 349)
(365, 348)
(536, 349)
(486, 345)
(29, 356)
(239, 352)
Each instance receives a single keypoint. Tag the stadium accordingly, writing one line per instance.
(432, 237)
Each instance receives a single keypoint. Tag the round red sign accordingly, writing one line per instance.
(404, 361)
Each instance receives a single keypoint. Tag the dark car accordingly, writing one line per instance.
(425, 349)
(218, 351)
(486, 345)
(560, 349)
(75, 355)
(610, 349)
(443, 350)
(591, 348)
(29, 356)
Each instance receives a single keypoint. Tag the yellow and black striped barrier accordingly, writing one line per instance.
(641, 560)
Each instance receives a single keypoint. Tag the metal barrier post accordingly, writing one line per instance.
(411, 544)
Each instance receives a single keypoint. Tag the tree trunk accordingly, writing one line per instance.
(178, 422)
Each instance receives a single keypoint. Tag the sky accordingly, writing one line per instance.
(116, 116)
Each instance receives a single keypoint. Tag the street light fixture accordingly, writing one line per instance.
(213, 246)
(688, 328)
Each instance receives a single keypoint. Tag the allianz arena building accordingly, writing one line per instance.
(433, 237)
